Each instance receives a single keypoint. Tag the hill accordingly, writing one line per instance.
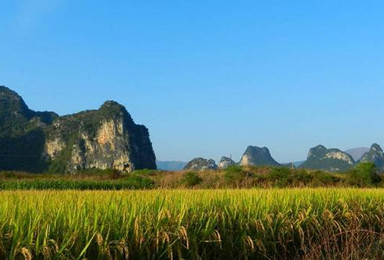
(94, 139)
(333, 160)
(257, 156)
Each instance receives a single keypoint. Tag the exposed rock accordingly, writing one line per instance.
(201, 164)
(257, 156)
(43, 141)
(333, 160)
(375, 155)
(225, 162)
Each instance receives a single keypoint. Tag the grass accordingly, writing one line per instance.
(132, 183)
(322, 223)
(85, 181)
(363, 175)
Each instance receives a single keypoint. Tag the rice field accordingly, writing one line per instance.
(322, 223)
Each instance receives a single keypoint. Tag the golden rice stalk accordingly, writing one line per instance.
(118, 250)
(23, 254)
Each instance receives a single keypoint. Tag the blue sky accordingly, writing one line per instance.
(207, 78)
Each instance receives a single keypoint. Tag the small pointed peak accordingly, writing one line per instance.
(4, 91)
(320, 146)
(11, 101)
(376, 147)
(112, 109)
(201, 164)
(111, 104)
(252, 148)
(4, 88)
(255, 155)
(226, 159)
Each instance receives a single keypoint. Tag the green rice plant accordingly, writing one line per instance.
(193, 224)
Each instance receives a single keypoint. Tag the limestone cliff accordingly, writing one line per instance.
(102, 139)
(333, 160)
(375, 155)
(225, 162)
(257, 156)
(201, 164)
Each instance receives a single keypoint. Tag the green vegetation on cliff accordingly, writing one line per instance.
(45, 142)
(333, 160)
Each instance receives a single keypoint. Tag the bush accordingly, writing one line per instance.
(191, 179)
(144, 172)
(235, 175)
(321, 178)
(364, 174)
(302, 177)
(131, 183)
(114, 173)
(280, 176)
(8, 175)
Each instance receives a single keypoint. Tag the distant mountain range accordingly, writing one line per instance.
(375, 155)
(319, 158)
(333, 160)
(170, 165)
(297, 164)
(109, 138)
(357, 153)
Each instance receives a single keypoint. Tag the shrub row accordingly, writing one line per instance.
(130, 183)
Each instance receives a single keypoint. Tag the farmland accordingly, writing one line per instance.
(309, 223)
(364, 175)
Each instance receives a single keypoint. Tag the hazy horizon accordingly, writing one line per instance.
(207, 78)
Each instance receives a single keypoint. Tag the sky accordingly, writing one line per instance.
(208, 78)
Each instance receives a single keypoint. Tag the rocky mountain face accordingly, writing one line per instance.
(226, 162)
(375, 155)
(43, 141)
(257, 156)
(201, 164)
(333, 160)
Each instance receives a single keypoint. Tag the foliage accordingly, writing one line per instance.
(134, 182)
(326, 179)
(99, 172)
(199, 224)
(191, 179)
(364, 174)
(281, 176)
(234, 175)
(144, 172)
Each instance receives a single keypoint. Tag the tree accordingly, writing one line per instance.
(191, 179)
(364, 174)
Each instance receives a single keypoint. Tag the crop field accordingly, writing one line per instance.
(321, 223)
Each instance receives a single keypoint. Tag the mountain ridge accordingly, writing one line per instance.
(257, 156)
(103, 138)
